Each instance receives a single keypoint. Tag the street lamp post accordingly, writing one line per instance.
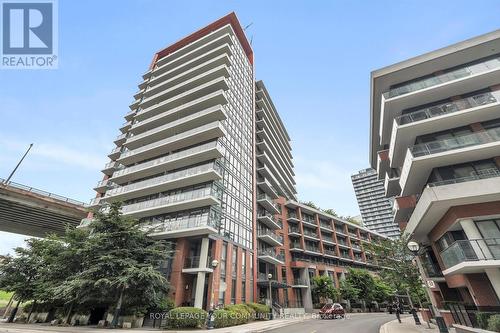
(210, 323)
(269, 277)
(414, 248)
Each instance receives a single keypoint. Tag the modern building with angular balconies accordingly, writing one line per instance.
(435, 139)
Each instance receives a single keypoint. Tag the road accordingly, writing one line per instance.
(354, 323)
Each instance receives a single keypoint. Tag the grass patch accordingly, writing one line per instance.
(4, 298)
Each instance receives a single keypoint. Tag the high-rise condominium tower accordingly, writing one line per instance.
(204, 161)
(375, 207)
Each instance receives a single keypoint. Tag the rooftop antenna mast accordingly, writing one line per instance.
(245, 28)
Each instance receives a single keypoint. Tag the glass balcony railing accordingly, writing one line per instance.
(265, 196)
(331, 252)
(166, 159)
(165, 178)
(293, 230)
(186, 222)
(263, 213)
(310, 233)
(471, 250)
(194, 262)
(325, 225)
(268, 233)
(340, 230)
(449, 107)
(295, 245)
(173, 198)
(463, 141)
(271, 253)
(170, 139)
(479, 174)
(468, 70)
(292, 215)
(312, 248)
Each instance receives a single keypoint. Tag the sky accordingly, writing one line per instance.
(315, 58)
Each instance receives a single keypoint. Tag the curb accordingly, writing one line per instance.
(273, 327)
(383, 328)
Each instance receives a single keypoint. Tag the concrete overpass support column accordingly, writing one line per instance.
(494, 277)
(472, 232)
(200, 280)
(306, 292)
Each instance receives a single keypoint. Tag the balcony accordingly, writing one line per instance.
(186, 227)
(192, 265)
(310, 234)
(267, 202)
(296, 247)
(325, 226)
(330, 253)
(175, 202)
(188, 71)
(422, 158)
(169, 92)
(193, 51)
(328, 240)
(269, 220)
(103, 185)
(265, 172)
(471, 256)
(195, 120)
(125, 126)
(300, 283)
(266, 186)
(270, 237)
(457, 82)
(340, 231)
(294, 231)
(308, 221)
(271, 257)
(437, 198)
(182, 98)
(178, 179)
(120, 139)
(110, 168)
(406, 128)
(312, 249)
(293, 217)
(191, 156)
(189, 138)
(115, 153)
(205, 102)
(342, 244)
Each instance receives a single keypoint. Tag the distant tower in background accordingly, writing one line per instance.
(375, 208)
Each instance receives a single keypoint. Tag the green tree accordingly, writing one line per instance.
(348, 291)
(398, 270)
(364, 282)
(21, 274)
(120, 267)
(382, 292)
(323, 289)
(310, 204)
(330, 212)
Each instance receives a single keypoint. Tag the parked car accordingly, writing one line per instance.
(332, 311)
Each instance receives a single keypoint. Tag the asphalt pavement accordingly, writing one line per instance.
(353, 323)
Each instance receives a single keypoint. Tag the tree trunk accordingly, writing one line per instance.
(67, 320)
(14, 312)
(9, 305)
(33, 306)
(118, 309)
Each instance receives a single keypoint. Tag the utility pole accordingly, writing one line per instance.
(18, 164)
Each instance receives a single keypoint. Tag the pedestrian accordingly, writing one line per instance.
(397, 308)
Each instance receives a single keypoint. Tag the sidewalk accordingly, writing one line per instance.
(254, 327)
(408, 326)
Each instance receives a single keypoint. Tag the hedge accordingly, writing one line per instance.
(482, 319)
(224, 318)
(243, 312)
(186, 317)
(261, 310)
(494, 323)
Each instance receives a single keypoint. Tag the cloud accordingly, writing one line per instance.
(56, 153)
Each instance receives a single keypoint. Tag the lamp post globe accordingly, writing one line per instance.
(215, 262)
(413, 247)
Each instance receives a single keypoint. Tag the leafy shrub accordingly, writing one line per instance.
(261, 310)
(482, 319)
(186, 317)
(243, 312)
(494, 323)
(224, 318)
